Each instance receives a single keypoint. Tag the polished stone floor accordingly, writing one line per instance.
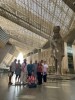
(59, 90)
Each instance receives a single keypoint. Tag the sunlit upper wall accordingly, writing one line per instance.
(55, 11)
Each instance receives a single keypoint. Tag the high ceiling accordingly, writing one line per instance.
(21, 37)
(70, 3)
(30, 22)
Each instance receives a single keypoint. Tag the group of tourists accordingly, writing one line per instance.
(32, 74)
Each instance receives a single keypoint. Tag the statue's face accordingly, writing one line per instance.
(56, 29)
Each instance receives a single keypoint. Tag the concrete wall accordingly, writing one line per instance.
(46, 55)
(4, 51)
(43, 55)
(73, 46)
(7, 53)
(65, 59)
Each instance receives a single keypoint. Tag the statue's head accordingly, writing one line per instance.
(56, 29)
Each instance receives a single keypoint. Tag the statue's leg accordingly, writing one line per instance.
(59, 66)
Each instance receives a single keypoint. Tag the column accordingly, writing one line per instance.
(4, 51)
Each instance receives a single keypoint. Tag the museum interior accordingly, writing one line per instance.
(38, 30)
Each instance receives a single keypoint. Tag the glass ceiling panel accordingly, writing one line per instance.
(49, 9)
(44, 12)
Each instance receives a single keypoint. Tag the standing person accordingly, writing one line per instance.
(30, 68)
(18, 70)
(35, 68)
(42, 62)
(45, 69)
(23, 72)
(12, 70)
(39, 73)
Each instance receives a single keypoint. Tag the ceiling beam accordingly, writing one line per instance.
(70, 3)
(16, 19)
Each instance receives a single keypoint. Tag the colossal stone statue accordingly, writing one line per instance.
(58, 47)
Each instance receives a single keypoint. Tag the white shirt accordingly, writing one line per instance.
(24, 67)
(45, 66)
